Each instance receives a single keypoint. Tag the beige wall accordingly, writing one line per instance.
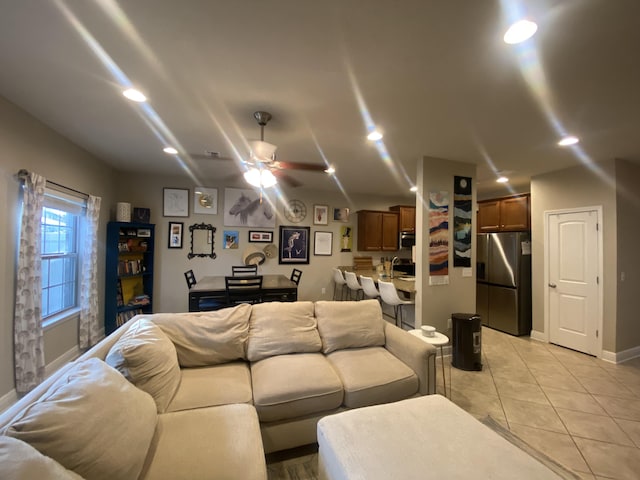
(27, 143)
(435, 304)
(572, 188)
(170, 293)
(628, 207)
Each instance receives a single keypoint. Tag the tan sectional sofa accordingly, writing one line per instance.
(205, 395)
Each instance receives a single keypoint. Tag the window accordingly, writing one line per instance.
(61, 220)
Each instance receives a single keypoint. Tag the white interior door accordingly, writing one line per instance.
(573, 270)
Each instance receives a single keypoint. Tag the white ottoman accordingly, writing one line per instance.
(419, 438)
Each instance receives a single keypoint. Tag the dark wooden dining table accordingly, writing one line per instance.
(276, 288)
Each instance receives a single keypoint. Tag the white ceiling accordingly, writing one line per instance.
(433, 75)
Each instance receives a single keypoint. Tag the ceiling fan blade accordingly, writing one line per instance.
(311, 167)
(288, 179)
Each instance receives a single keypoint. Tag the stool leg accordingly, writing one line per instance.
(444, 379)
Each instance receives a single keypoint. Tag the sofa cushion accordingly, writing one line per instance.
(278, 328)
(206, 443)
(215, 385)
(372, 375)
(349, 324)
(207, 338)
(92, 421)
(20, 461)
(148, 359)
(277, 396)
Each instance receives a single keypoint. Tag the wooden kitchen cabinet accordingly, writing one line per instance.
(377, 231)
(507, 214)
(407, 217)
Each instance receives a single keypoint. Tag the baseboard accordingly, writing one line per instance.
(620, 357)
(539, 336)
(8, 399)
(61, 361)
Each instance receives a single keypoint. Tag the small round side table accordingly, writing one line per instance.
(438, 340)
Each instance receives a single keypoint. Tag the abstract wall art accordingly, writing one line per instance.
(462, 215)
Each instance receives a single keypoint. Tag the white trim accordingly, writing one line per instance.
(621, 357)
(11, 397)
(8, 399)
(600, 287)
(539, 336)
(61, 361)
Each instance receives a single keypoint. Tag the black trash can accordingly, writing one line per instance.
(466, 344)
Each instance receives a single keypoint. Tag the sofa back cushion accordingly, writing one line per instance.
(207, 338)
(148, 359)
(20, 461)
(91, 421)
(349, 324)
(280, 328)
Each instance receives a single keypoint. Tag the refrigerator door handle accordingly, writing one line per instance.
(552, 285)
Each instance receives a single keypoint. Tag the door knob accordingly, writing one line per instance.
(552, 285)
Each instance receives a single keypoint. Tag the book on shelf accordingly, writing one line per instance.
(119, 298)
(140, 300)
(124, 317)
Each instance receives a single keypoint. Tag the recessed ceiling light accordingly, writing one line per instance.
(170, 150)
(375, 135)
(134, 95)
(520, 31)
(568, 140)
(330, 170)
(502, 180)
(413, 189)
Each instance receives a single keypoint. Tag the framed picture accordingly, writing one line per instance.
(231, 239)
(322, 243)
(176, 202)
(205, 200)
(260, 236)
(144, 232)
(321, 214)
(243, 207)
(341, 215)
(294, 244)
(141, 215)
(175, 234)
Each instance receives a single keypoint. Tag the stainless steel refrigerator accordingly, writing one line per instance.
(503, 294)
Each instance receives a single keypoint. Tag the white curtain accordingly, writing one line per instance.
(28, 342)
(89, 326)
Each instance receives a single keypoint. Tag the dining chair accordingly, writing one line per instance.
(237, 270)
(354, 286)
(340, 283)
(243, 289)
(190, 277)
(389, 295)
(296, 275)
(369, 287)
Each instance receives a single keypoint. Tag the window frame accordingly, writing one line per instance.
(76, 206)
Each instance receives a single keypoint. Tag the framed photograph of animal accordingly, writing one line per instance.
(294, 244)
(243, 207)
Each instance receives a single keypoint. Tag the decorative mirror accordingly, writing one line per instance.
(202, 240)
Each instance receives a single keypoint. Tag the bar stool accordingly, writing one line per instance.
(369, 287)
(340, 283)
(390, 296)
(354, 285)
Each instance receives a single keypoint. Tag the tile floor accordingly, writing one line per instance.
(579, 410)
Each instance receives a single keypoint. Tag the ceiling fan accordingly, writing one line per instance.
(264, 164)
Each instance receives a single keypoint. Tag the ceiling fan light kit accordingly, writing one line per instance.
(260, 178)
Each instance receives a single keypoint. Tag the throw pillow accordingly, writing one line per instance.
(20, 461)
(349, 324)
(280, 328)
(148, 359)
(91, 421)
(207, 338)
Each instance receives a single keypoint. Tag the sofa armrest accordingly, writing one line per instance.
(418, 355)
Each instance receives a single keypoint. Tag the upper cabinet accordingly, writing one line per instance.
(507, 214)
(377, 231)
(407, 217)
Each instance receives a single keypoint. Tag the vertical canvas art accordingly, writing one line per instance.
(438, 233)
(462, 206)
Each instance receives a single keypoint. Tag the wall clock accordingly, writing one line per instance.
(295, 211)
